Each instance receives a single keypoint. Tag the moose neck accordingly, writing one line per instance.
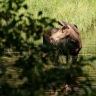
(75, 38)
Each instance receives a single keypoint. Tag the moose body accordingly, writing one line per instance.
(67, 39)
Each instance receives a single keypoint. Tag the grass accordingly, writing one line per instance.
(79, 12)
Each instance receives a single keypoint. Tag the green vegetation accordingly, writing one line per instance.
(82, 13)
(79, 12)
(22, 23)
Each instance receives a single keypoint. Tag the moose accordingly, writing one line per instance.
(67, 39)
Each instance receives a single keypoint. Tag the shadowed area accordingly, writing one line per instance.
(22, 70)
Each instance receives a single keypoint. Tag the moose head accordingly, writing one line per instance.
(61, 33)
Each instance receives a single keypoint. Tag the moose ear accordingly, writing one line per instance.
(62, 23)
(75, 26)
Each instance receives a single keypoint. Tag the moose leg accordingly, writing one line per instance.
(45, 53)
(68, 59)
(44, 57)
(56, 58)
(74, 59)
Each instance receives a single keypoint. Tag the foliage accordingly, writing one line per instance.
(28, 76)
(18, 30)
(79, 12)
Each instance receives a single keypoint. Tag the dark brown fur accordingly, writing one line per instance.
(69, 45)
